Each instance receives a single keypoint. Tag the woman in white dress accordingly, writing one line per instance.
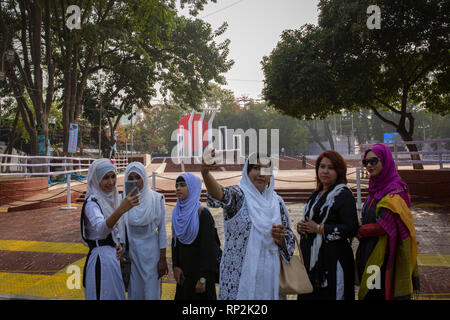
(102, 277)
(146, 232)
(257, 232)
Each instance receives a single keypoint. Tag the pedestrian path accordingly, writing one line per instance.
(56, 286)
(65, 282)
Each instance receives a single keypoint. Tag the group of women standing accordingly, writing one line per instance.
(386, 259)
(258, 234)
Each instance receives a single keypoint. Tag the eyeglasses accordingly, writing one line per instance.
(372, 161)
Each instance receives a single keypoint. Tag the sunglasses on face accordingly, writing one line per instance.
(372, 161)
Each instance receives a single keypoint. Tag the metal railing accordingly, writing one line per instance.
(48, 163)
(439, 156)
(358, 182)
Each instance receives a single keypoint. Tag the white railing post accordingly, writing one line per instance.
(69, 197)
(396, 155)
(26, 168)
(441, 164)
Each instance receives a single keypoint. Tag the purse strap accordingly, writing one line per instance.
(296, 240)
(300, 255)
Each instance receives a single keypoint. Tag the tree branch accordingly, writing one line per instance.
(392, 123)
(49, 60)
(387, 105)
(421, 74)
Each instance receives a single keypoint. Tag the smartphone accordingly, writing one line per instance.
(129, 185)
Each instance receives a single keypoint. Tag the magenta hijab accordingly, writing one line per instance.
(388, 181)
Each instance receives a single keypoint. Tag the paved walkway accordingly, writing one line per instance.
(41, 252)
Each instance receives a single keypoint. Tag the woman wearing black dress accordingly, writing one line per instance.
(194, 256)
(327, 227)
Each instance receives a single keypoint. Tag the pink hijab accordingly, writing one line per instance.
(388, 181)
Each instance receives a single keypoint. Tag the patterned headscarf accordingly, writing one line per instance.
(388, 181)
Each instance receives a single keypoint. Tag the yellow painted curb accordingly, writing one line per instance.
(433, 260)
(43, 246)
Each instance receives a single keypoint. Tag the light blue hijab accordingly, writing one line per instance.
(185, 221)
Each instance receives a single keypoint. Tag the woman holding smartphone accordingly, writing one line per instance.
(144, 228)
(102, 277)
(257, 231)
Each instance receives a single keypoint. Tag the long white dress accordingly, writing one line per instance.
(102, 259)
(145, 243)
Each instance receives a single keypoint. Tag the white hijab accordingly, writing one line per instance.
(108, 201)
(148, 211)
(264, 211)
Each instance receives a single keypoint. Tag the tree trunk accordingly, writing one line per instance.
(411, 148)
(400, 127)
(328, 134)
(11, 142)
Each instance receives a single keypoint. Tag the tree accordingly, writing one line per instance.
(117, 39)
(26, 27)
(292, 135)
(342, 64)
(182, 61)
(148, 136)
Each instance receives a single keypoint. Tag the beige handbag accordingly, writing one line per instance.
(293, 276)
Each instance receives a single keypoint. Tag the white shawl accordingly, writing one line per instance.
(108, 201)
(149, 209)
(264, 211)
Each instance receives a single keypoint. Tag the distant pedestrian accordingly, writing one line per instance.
(257, 232)
(102, 277)
(303, 161)
(194, 256)
(387, 235)
(328, 225)
(145, 228)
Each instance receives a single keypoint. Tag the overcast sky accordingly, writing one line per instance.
(254, 28)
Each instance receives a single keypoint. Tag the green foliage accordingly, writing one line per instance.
(122, 53)
(317, 71)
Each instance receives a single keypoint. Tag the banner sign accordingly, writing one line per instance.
(73, 138)
(392, 137)
(41, 145)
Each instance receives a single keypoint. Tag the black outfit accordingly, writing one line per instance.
(198, 259)
(339, 229)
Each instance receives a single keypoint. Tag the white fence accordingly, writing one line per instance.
(45, 165)
(438, 156)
